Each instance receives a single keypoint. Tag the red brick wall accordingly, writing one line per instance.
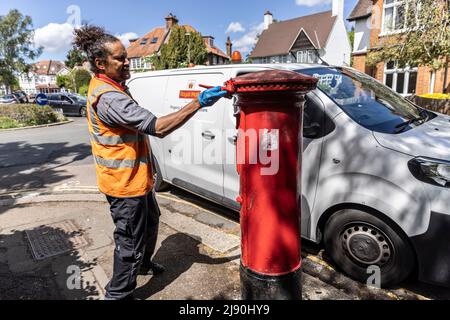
(423, 76)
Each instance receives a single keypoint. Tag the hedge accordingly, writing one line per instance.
(25, 115)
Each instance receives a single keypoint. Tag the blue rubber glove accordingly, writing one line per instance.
(211, 96)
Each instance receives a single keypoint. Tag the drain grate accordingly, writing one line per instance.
(54, 239)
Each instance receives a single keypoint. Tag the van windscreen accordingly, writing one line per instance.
(367, 101)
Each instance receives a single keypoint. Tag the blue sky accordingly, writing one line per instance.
(54, 20)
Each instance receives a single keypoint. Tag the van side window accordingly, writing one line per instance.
(316, 124)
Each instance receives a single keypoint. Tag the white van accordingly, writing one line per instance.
(376, 168)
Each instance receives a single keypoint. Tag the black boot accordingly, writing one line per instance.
(151, 269)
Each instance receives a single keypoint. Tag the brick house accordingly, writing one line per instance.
(307, 39)
(375, 19)
(152, 42)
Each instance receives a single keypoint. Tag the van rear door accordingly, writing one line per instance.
(193, 153)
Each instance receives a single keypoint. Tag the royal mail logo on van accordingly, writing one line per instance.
(191, 84)
(189, 94)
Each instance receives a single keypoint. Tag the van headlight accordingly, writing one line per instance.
(433, 171)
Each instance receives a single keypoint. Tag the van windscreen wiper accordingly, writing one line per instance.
(402, 126)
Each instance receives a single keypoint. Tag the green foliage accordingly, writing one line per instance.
(77, 79)
(425, 40)
(8, 123)
(181, 50)
(64, 81)
(81, 78)
(24, 115)
(16, 46)
(74, 58)
(83, 90)
(351, 38)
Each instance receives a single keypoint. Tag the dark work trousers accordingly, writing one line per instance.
(135, 236)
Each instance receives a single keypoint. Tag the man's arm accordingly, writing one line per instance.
(168, 124)
(115, 108)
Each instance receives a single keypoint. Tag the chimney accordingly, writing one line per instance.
(171, 21)
(268, 19)
(338, 8)
(229, 47)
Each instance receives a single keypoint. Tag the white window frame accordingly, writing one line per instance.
(395, 4)
(309, 56)
(395, 72)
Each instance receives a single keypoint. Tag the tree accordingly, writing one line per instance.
(76, 81)
(351, 37)
(80, 78)
(65, 81)
(181, 50)
(16, 46)
(425, 40)
(74, 58)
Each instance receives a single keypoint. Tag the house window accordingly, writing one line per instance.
(154, 40)
(139, 64)
(401, 80)
(143, 42)
(307, 56)
(394, 15)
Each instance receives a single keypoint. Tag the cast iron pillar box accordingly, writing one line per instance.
(269, 160)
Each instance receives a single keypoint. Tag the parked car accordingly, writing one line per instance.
(375, 175)
(8, 99)
(21, 96)
(32, 98)
(68, 104)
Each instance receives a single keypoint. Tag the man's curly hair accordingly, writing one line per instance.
(93, 40)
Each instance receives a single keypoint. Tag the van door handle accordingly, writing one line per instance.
(233, 139)
(208, 135)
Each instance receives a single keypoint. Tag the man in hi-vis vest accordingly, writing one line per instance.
(119, 127)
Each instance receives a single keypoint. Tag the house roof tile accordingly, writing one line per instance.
(361, 10)
(279, 38)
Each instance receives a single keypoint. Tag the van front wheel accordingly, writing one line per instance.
(364, 246)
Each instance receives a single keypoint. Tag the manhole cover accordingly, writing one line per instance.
(54, 239)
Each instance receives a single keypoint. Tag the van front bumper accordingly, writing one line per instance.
(433, 251)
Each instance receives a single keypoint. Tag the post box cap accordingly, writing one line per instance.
(272, 80)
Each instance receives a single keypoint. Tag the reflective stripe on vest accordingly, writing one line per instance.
(119, 164)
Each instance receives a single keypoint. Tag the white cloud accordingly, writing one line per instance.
(248, 41)
(312, 3)
(126, 37)
(54, 38)
(235, 27)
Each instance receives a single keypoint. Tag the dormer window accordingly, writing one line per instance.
(144, 42)
(154, 40)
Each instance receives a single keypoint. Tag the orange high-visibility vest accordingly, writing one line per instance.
(122, 156)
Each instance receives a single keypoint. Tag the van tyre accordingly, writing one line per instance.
(160, 184)
(356, 240)
(82, 112)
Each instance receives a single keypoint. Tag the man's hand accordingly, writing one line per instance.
(211, 96)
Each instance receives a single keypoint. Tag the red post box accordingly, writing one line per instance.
(269, 158)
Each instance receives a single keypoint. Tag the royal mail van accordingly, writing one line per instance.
(376, 168)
